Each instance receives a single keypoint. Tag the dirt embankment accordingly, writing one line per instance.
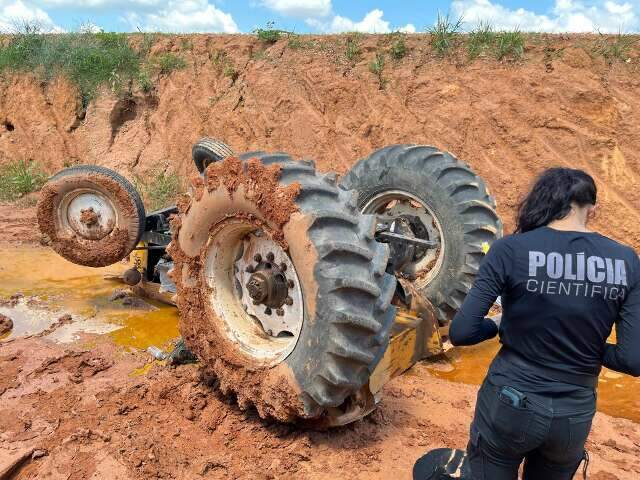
(558, 106)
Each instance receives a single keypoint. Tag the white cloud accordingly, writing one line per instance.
(618, 9)
(373, 22)
(300, 8)
(566, 16)
(88, 4)
(189, 16)
(408, 28)
(15, 12)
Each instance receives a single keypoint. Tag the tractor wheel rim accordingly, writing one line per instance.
(427, 267)
(241, 261)
(88, 214)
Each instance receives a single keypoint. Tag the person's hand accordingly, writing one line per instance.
(497, 319)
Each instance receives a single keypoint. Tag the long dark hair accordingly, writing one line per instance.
(551, 197)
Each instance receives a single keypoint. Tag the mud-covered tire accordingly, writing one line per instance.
(341, 267)
(110, 237)
(209, 150)
(459, 200)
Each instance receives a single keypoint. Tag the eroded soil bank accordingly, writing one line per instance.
(559, 105)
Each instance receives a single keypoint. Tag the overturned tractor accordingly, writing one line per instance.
(302, 294)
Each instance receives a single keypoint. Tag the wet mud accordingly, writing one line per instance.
(92, 418)
(101, 407)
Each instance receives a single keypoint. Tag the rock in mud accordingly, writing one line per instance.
(129, 300)
(117, 295)
(6, 324)
(135, 302)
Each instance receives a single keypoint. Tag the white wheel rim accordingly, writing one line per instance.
(87, 213)
(266, 338)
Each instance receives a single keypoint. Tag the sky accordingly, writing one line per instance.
(320, 16)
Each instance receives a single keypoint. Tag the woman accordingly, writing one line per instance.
(563, 287)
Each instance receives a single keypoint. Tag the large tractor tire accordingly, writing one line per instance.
(91, 215)
(281, 285)
(445, 202)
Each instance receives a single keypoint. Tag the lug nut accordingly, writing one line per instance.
(280, 312)
(290, 283)
(270, 257)
(283, 267)
(257, 257)
(250, 269)
(288, 301)
(267, 311)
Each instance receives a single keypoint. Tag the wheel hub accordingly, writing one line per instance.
(268, 286)
(403, 211)
(90, 215)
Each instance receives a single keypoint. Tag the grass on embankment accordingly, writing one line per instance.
(89, 60)
(159, 189)
(20, 178)
(123, 62)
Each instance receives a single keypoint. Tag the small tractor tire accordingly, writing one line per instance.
(91, 215)
(452, 194)
(209, 150)
(330, 250)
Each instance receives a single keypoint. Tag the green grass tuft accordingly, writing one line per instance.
(269, 34)
(481, 39)
(159, 189)
(444, 34)
(169, 62)
(144, 80)
(614, 47)
(296, 42)
(230, 71)
(509, 44)
(377, 68)
(19, 178)
(398, 49)
(352, 50)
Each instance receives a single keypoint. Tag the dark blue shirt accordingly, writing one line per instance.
(562, 292)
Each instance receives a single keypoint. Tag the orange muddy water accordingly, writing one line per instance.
(618, 395)
(62, 287)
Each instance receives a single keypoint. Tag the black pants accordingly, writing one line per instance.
(502, 436)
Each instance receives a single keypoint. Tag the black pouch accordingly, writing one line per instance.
(509, 415)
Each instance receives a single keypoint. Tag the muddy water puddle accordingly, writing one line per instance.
(618, 395)
(52, 286)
